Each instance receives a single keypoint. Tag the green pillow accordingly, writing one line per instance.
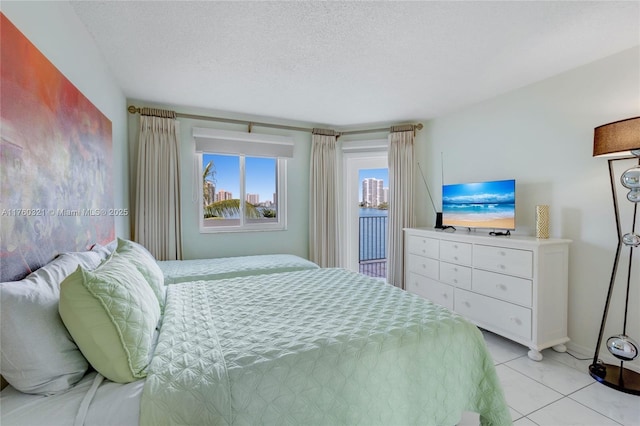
(112, 315)
(144, 261)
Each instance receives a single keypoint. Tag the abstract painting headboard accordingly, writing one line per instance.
(55, 162)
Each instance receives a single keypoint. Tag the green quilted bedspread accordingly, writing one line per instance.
(315, 347)
(177, 271)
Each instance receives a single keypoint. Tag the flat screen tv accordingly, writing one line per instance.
(490, 205)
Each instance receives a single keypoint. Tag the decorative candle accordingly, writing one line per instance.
(542, 221)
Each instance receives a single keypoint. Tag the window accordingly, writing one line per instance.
(241, 191)
(227, 179)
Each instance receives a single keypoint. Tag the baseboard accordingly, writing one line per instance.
(605, 356)
(578, 350)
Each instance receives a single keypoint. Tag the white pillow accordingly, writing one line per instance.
(37, 353)
(89, 260)
(105, 251)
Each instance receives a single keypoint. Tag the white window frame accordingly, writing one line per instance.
(242, 145)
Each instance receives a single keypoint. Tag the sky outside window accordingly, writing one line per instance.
(260, 175)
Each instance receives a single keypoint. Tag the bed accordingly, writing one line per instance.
(314, 346)
(177, 271)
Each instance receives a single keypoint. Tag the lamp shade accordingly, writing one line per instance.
(617, 137)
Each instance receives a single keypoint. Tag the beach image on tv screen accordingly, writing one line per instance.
(480, 205)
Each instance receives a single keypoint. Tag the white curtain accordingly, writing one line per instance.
(401, 195)
(323, 200)
(157, 220)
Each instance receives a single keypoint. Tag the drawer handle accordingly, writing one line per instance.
(455, 281)
(501, 287)
(455, 269)
(424, 265)
(445, 295)
(455, 246)
(467, 304)
(455, 257)
(503, 267)
(424, 251)
(503, 253)
(516, 320)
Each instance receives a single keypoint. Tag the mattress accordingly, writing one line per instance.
(176, 271)
(320, 346)
(107, 405)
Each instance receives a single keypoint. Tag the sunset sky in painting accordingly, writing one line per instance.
(55, 156)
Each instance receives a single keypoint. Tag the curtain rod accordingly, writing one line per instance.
(132, 110)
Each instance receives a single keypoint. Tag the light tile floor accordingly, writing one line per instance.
(556, 391)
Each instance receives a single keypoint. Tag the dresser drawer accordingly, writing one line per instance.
(505, 287)
(423, 246)
(459, 276)
(494, 314)
(455, 252)
(423, 266)
(433, 290)
(504, 260)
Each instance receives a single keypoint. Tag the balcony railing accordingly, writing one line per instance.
(373, 250)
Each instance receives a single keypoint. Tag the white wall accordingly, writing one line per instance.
(542, 135)
(55, 30)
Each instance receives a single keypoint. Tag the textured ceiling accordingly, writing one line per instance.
(348, 63)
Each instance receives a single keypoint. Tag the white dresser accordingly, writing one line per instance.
(513, 286)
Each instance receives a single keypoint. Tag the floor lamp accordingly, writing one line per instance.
(622, 140)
